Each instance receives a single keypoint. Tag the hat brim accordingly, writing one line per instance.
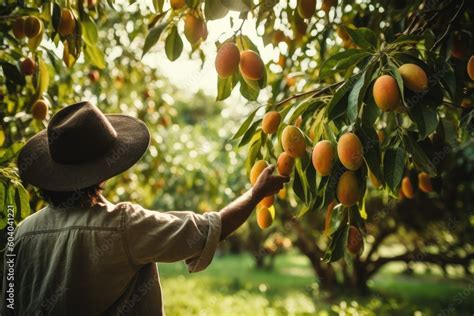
(38, 168)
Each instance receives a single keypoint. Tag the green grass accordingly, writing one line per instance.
(232, 286)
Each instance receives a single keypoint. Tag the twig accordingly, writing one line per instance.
(448, 29)
(453, 105)
(316, 92)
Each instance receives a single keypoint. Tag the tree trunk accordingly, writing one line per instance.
(360, 277)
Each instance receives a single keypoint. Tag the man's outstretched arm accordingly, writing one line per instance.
(237, 212)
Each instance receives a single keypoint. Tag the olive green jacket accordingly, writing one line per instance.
(102, 260)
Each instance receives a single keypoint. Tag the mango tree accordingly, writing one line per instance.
(363, 97)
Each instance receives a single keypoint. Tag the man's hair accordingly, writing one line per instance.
(86, 197)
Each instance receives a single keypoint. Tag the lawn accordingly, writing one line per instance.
(232, 286)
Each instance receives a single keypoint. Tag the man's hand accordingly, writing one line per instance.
(237, 212)
(268, 184)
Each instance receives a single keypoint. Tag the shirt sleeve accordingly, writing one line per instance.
(153, 236)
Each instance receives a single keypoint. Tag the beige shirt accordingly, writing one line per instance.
(101, 261)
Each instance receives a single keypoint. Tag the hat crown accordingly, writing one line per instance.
(79, 133)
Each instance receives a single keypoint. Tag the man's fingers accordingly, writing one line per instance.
(283, 179)
(269, 170)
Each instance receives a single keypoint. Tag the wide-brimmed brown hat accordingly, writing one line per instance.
(82, 147)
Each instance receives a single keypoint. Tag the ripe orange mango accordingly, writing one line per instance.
(282, 193)
(32, 26)
(300, 27)
(271, 121)
(407, 188)
(350, 151)
(424, 182)
(470, 67)
(285, 164)
(257, 170)
(347, 190)
(278, 37)
(28, 66)
(268, 201)
(414, 77)
(94, 75)
(227, 60)
(177, 4)
(355, 242)
(264, 217)
(67, 23)
(323, 157)
(251, 65)
(195, 29)
(466, 103)
(293, 142)
(18, 28)
(386, 93)
(306, 8)
(39, 110)
(327, 4)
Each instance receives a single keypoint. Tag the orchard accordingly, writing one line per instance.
(366, 105)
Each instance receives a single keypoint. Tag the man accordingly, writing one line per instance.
(82, 255)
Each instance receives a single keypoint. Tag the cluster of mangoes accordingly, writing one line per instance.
(32, 27)
(229, 58)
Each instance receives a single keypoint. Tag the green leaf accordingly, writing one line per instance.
(363, 37)
(370, 111)
(89, 30)
(304, 182)
(337, 105)
(370, 143)
(358, 93)
(338, 243)
(338, 215)
(298, 187)
(224, 88)
(7, 154)
(243, 42)
(12, 73)
(34, 42)
(393, 166)
(302, 107)
(396, 75)
(331, 185)
(249, 133)
(247, 91)
(214, 10)
(407, 38)
(174, 45)
(355, 98)
(43, 78)
(95, 56)
(237, 5)
(416, 149)
(158, 5)
(254, 152)
(3, 208)
(425, 118)
(245, 124)
(22, 201)
(341, 62)
(153, 36)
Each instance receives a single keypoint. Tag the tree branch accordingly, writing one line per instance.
(316, 92)
(418, 256)
(378, 241)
